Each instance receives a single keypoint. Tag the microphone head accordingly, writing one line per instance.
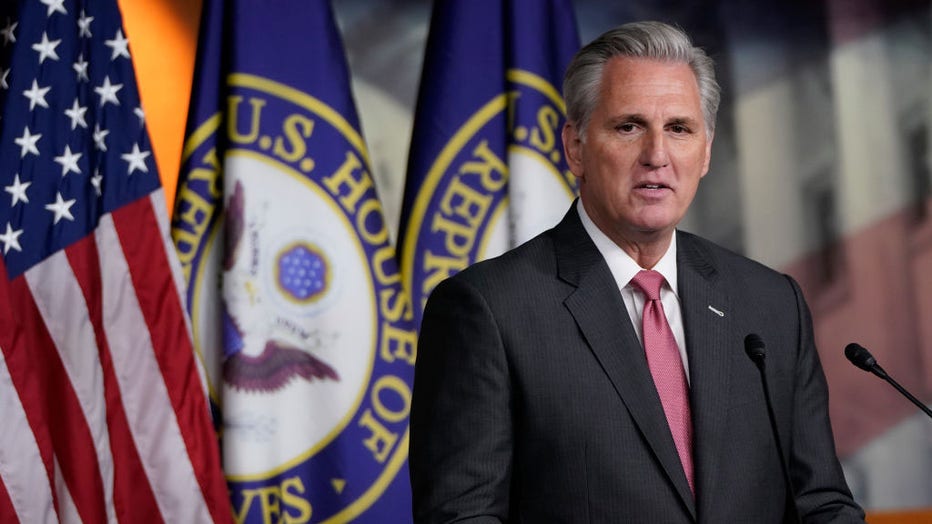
(754, 347)
(860, 357)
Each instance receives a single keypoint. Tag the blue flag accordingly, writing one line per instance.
(293, 288)
(486, 169)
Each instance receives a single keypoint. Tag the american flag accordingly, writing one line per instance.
(102, 402)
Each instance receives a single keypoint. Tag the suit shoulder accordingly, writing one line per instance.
(529, 264)
(733, 265)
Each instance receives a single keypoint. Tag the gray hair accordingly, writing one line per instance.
(652, 40)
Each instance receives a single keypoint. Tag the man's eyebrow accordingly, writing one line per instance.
(633, 118)
(682, 120)
(641, 120)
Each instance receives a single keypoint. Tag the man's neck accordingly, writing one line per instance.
(645, 248)
(646, 252)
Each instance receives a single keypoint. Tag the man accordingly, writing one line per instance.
(556, 383)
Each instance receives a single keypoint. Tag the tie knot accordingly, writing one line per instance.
(649, 282)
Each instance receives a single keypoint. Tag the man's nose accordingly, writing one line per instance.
(654, 150)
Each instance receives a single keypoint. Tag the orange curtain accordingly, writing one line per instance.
(899, 517)
(163, 40)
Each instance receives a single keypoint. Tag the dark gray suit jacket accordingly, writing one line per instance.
(533, 401)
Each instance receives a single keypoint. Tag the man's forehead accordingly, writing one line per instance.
(644, 79)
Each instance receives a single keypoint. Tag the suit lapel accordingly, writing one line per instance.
(710, 337)
(599, 311)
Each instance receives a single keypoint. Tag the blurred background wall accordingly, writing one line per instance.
(821, 168)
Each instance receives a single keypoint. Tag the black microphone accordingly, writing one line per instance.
(862, 358)
(757, 352)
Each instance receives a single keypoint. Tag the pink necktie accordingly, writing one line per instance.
(666, 367)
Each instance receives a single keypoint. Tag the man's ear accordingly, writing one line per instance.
(708, 156)
(572, 148)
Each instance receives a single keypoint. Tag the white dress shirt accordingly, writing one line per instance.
(623, 269)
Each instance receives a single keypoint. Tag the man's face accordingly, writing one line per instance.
(644, 151)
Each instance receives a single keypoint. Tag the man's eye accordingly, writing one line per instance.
(627, 127)
(679, 128)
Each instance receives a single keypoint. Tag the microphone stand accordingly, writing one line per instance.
(754, 347)
(862, 358)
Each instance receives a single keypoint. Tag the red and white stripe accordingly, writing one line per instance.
(25, 484)
(105, 416)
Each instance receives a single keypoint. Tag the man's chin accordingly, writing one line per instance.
(648, 233)
(657, 224)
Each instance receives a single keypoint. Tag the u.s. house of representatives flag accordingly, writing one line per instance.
(104, 414)
(486, 170)
(293, 288)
